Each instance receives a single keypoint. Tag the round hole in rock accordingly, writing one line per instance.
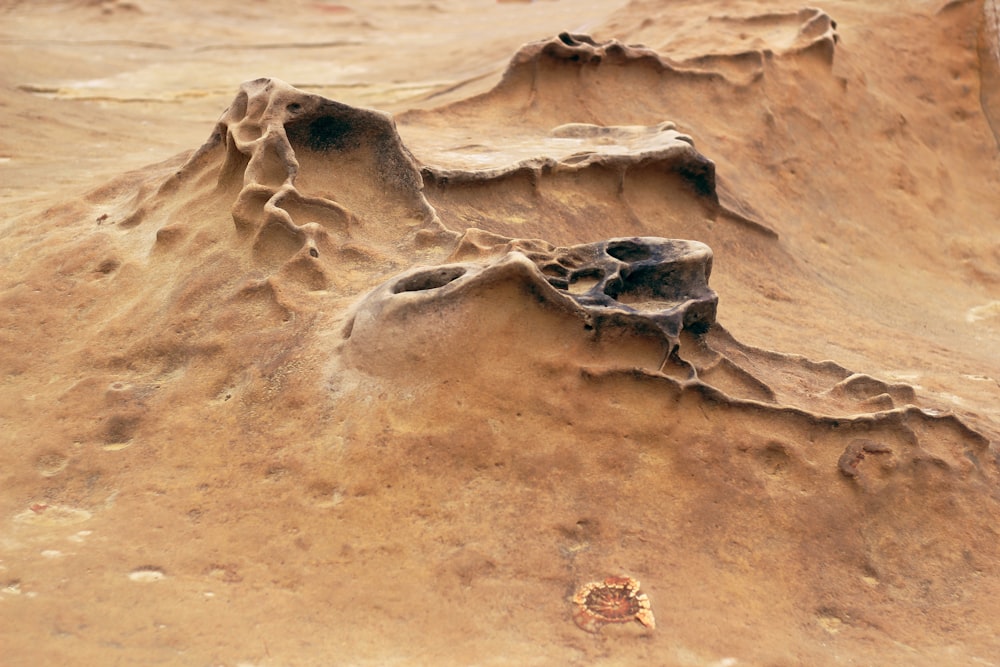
(651, 288)
(555, 270)
(430, 279)
(584, 281)
(628, 251)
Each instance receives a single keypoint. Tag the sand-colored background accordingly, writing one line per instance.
(217, 448)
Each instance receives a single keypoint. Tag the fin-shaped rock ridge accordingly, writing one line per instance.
(735, 41)
(572, 147)
(817, 33)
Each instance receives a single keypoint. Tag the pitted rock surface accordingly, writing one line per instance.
(649, 282)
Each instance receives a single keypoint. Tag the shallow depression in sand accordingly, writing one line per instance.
(146, 574)
(42, 514)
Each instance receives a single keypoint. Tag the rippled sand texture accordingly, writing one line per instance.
(457, 310)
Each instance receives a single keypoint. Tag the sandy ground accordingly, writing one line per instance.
(344, 334)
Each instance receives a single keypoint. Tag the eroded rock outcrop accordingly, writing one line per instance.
(647, 283)
(808, 30)
(306, 180)
(574, 147)
(502, 418)
(652, 292)
(562, 137)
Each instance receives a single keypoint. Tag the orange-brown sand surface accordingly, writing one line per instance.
(452, 333)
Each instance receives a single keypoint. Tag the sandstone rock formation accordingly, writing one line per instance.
(346, 387)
